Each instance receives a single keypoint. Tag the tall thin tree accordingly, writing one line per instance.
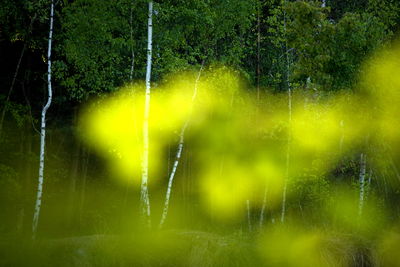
(43, 128)
(289, 138)
(259, 7)
(144, 192)
(363, 165)
(131, 41)
(178, 154)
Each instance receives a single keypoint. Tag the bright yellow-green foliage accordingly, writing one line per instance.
(382, 85)
(113, 126)
(242, 144)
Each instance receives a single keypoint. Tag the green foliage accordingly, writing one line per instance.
(273, 47)
(16, 18)
(187, 32)
(387, 12)
(96, 45)
(340, 8)
(19, 113)
(329, 52)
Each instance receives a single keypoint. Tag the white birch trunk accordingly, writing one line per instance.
(43, 129)
(289, 129)
(363, 164)
(178, 155)
(287, 155)
(133, 53)
(132, 65)
(144, 193)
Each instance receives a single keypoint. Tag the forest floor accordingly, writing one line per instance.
(187, 248)
(163, 248)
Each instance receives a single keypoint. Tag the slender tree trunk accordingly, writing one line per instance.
(43, 129)
(172, 175)
(133, 53)
(363, 165)
(144, 193)
(178, 154)
(289, 140)
(132, 65)
(258, 49)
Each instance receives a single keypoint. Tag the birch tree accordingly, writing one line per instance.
(43, 129)
(363, 165)
(144, 192)
(131, 41)
(289, 91)
(178, 154)
(287, 156)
